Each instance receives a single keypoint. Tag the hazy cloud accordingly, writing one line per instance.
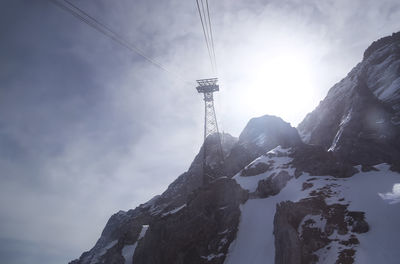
(88, 128)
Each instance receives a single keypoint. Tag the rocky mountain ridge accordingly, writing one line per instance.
(359, 119)
(283, 196)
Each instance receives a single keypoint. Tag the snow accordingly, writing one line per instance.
(317, 222)
(127, 253)
(212, 256)
(380, 244)
(129, 250)
(388, 92)
(174, 211)
(368, 192)
(255, 241)
(143, 232)
(223, 232)
(103, 251)
(329, 253)
(342, 125)
(377, 193)
(250, 183)
(260, 140)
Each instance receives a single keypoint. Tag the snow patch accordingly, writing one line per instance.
(212, 256)
(342, 125)
(174, 211)
(223, 232)
(260, 140)
(380, 244)
(103, 251)
(143, 232)
(255, 242)
(330, 253)
(129, 250)
(278, 163)
(316, 221)
(127, 253)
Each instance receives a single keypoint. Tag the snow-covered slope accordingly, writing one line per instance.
(370, 192)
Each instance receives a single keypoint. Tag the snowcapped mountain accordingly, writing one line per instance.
(329, 193)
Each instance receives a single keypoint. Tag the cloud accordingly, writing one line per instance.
(87, 128)
(392, 197)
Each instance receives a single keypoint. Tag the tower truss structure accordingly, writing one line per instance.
(207, 87)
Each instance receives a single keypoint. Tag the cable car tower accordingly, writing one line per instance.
(207, 87)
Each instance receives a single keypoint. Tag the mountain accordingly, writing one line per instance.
(359, 118)
(326, 192)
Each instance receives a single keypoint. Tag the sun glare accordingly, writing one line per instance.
(281, 85)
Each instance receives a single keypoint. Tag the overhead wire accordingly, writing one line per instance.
(107, 31)
(212, 39)
(205, 29)
(207, 25)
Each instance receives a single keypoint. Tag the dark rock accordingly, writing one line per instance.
(346, 256)
(273, 184)
(207, 225)
(315, 160)
(260, 135)
(253, 170)
(122, 228)
(357, 222)
(294, 247)
(359, 118)
(366, 168)
(306, 185)
(380, 43)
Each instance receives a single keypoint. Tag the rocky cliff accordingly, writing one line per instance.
(328, 194)
(360, 117)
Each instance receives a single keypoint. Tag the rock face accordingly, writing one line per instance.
(184, 194)
(278, 197)
(258, 137)
(359, 120)
(200, 232)
(302, 228)
(273, 184)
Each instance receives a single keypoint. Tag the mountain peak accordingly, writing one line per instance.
(395, 37)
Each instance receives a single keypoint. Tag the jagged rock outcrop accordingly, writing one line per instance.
(316, 160)
(200, 232)
(304, 227)
(258, 137)
(359, 120)
(273, 184)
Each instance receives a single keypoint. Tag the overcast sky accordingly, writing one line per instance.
(88, 128)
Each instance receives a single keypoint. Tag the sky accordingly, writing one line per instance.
(88, 128)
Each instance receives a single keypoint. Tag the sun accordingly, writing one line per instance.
(281, 85)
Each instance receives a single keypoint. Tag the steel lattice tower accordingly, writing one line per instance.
(208, 87)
